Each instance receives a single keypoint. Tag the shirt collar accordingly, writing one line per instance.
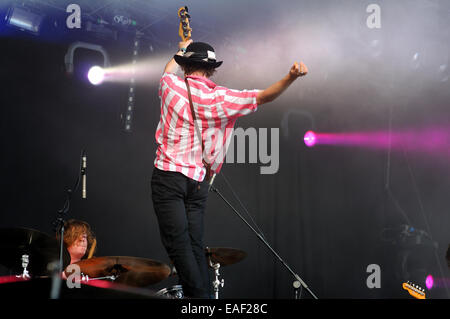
(203, 79)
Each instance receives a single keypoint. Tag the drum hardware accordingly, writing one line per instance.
(85, 278)
(174, 292)
(29, 252)
(25, 274)
(216, 257)
(216, 283)
(222, 256)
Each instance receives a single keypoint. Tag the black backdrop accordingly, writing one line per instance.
(324, 211)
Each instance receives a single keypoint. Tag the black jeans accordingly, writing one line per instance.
(180, 204)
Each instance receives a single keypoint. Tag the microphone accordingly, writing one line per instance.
(83, 174)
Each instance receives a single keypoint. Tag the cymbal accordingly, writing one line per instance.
(225, 256)
(41, 248)
(132, 271)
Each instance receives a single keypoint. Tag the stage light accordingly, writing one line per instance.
(96, 75)
(68, 58)
(310, 138)
(24, 19)
(429, 282)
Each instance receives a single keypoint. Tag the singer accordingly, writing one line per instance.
(193, 109)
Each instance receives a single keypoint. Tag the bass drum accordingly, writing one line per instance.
(174, 292)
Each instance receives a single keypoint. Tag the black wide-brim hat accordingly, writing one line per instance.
(198, 53)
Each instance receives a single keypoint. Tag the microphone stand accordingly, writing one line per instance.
(296, 276)
(59, 227)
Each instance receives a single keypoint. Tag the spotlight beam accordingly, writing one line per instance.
(144, 71)
(432, 140)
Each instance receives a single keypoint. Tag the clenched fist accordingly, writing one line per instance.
(298, 70)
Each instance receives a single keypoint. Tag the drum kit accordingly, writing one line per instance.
(28, 255)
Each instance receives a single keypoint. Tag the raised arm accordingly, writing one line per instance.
(275, 90)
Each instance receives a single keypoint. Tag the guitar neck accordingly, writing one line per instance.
(184, 31)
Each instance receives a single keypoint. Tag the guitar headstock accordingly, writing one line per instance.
(184, 30)
(414, 290)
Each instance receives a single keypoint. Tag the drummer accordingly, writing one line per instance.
(79, 240)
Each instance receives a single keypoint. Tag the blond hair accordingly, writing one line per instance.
(73, 229)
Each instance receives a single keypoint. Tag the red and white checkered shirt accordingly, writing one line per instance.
(216, 108)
